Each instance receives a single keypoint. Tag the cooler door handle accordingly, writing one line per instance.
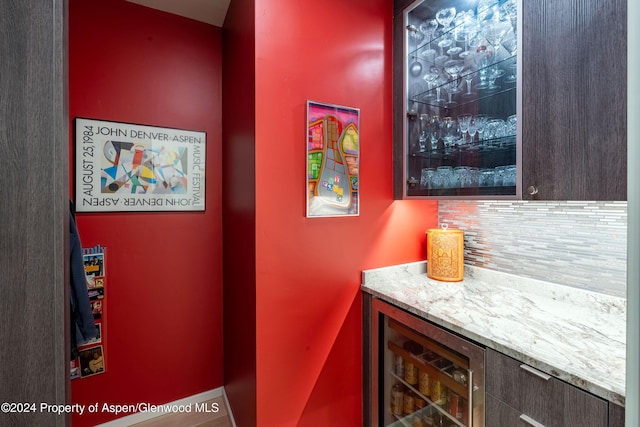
(470, 393)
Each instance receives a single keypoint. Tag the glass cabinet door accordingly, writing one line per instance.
(461, 80)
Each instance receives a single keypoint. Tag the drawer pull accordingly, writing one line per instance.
(536, 372)
(527, 419)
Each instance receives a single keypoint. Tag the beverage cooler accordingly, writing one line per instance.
(421, 374)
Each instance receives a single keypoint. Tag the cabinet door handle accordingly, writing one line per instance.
(532, 190)
(527, 419)
(535, 372)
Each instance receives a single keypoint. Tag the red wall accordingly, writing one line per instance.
(239, 224)
(308, 303)
(163, 318)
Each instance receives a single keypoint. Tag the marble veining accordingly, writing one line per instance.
(576, 335)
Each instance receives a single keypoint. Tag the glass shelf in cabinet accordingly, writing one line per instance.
(488, 145)
(465, 191)
(427, 92)
(460, 100)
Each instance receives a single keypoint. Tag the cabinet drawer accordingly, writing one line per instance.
(616, 415)
(584, 409)
(520, 387)
(547, 400)
(499, 414)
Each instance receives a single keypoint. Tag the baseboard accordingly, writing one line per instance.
(144, 416)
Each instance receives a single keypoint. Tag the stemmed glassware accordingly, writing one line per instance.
(430, 76)
(470, 31)
(472, 129)
(434, 131)
(464, 57)
(449, 132)
(494, 74)
(463, 122)
(481, 121)
(440, 82)
(445, 43)
(484, 58)
(494, 32)
(428, 28)
(468, 74)
(511, 44)
(445, 17)
(486, 9)
(424, 135)
(453, 67)
(454, 51)
(510, 9)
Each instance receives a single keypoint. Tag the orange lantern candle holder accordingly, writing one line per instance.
(445, 254)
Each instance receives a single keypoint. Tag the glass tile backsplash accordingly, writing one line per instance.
(581, 244)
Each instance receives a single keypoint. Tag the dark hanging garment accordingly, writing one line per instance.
(83, 327)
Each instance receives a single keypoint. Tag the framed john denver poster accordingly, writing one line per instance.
(130, 167)
(333, 160)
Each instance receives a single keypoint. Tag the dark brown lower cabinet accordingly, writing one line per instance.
(519, 395)
(616, 415)
(584, 409)
(499, 414)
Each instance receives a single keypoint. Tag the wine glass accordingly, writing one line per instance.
(428, 28)
(423, 136)
(434, 131)
(472, 129)
(454, 51)
(494, 32)
(468, 74)
(453, 67)
(486, 10)
(509, 9)
(445, 42)
(481, 121)
(483, 58)
(471, 30)
(511, 44)
(445, 17)
(459, 30)
(430, 76)
(463, 122)
(449, 132)
(494, 74)
(440, 81)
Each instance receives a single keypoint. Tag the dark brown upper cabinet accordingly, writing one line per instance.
(510, 99)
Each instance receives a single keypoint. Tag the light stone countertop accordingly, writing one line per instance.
(576, 335)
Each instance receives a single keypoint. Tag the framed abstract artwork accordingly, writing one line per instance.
(130, 167)
(333, 160)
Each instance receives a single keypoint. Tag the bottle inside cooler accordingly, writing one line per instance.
(427, 383)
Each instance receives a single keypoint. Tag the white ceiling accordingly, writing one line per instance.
(209, 11)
